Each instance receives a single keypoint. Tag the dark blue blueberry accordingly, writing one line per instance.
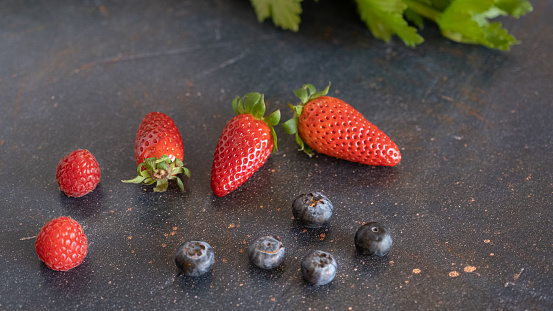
(373, 239)
(312, 209)
(194, 258)
(266, 252)
(318, 267)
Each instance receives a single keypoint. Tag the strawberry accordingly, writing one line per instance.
(244, 145)
(158, 152)
(78, 173)
(61, 244)
(332, 127)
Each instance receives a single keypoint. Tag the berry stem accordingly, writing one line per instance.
(159, 171)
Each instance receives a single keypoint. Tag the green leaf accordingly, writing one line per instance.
(414, 18)
(439, 5)
(318, 94)
(136, 180)
(252, 101)
(145, 173)
(302, 95)
(273, 118)
(310, 88)
(139, 168)
(149, 181)
(304, 147)
(181, 186)
(161, 186)
(466, 21)
(162, 165)
(177, 170)
(291, 126)
(236, 106)
(516, 8)
(273, 134)
(258, 107)
(385, 19)
(150, 163)
(186, 172)
(284, 13)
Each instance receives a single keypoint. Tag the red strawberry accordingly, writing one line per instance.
(158, 152)
(78, 173)
(332, 127)
(61, 244)
(157, 135)
(245, 144)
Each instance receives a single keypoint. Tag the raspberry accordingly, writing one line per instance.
(61, 244)
(78, 173)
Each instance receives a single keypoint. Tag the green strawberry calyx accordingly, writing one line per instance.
(254, 104)
(159, 171)
(306, 94)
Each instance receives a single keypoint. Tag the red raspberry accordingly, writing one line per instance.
(78, 173)
(61, 244)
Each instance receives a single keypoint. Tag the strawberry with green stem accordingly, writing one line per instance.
(244, 145)
(158, 152)
(330, 126)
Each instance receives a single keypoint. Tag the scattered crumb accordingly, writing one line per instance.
(416, 271)
(469, 269)
(486, 241)
(231, 225)
(27, 238)
(453, 274)
(129, 237)
(516, 276)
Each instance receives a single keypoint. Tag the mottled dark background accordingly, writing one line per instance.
(469, 206)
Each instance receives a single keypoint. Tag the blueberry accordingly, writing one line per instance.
(373, 239)
(312, 209)
(194, 258)
(318, 267)
(266, 252)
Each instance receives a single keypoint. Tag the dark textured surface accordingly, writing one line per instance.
(469, 206)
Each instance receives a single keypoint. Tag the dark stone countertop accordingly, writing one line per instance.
(469, 206)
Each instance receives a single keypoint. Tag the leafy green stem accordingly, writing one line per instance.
(423, 10)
